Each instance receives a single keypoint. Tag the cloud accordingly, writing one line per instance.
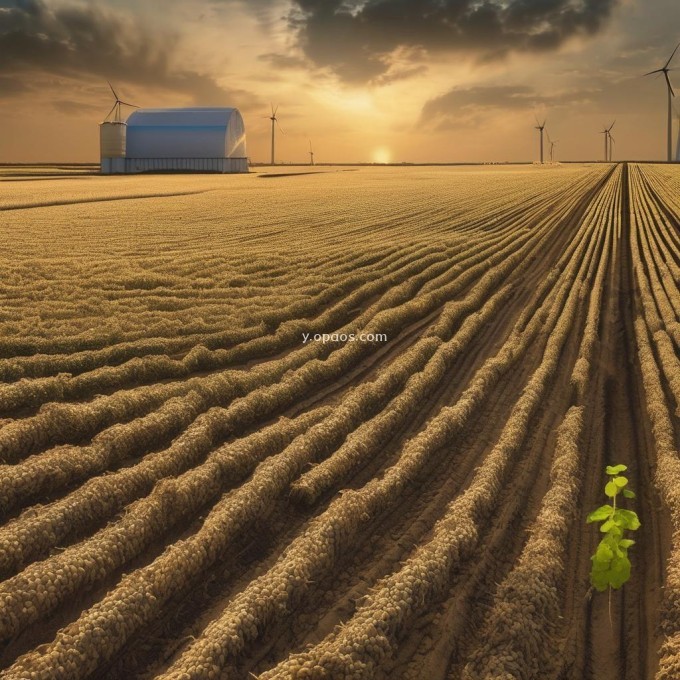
(11, 86)
(470, 107)
(85, 40)
(396, 73)
(494, 96)
(356, 38)
(71, 107)
(283, 61)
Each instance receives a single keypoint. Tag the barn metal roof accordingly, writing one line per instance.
(209, 117)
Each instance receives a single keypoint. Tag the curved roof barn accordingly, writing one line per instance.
(186, 133)
(174, 140)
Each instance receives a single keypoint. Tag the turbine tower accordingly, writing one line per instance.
(608, 136)
(664, 69)
(611, 146)
(606, 142)
(275, 122)
(540, 127)
(311, 153)
(117, 105)
(552, 143)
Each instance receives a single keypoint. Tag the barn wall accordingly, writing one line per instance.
(175, 141)
(223, 165)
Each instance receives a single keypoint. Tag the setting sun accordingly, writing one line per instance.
(382, 155)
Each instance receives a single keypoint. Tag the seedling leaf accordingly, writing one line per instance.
(627, 519)
(616, 469)
(620, 571)
(608, 525)
(611, 489)
(628, 493)
(603, 512)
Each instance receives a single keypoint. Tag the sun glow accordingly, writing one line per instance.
(382, 155)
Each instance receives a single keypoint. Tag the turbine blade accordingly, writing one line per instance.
(668, 82)
(275, 110)
(134, 106)
(659, 70)
(112, 90)
(111, 111)
(278, 126)
(612, 125)
(672, 55)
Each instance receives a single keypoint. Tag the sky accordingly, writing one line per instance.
(362, 80)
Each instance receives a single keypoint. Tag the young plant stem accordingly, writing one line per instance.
(611, 566)
(611, 625)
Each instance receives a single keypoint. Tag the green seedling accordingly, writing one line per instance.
(611, 566)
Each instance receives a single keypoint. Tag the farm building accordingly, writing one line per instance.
(184, 140)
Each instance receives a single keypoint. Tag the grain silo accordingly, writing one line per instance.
(112, 146)
(182, 140)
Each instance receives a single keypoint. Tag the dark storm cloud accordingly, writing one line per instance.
(83, 40)
(355, 38)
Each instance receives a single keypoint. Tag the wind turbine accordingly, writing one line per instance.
(117, 105)
(552, 143)
(275, 121)
(606, 142)
(311, 153)
(540, 127)
(664, 69)
(605, 132)
(608, 136)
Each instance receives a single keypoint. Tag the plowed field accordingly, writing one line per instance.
(340, 425)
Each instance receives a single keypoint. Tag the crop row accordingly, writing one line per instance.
(364, 443)
(658, 369)
(521, 627)
(36, 474)
(363, 642)
(174, 329)
(481, 208)
(52, 469)
(59, 423)
(333, 532)
(37, 471)
(412, 260)
(280, 473)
